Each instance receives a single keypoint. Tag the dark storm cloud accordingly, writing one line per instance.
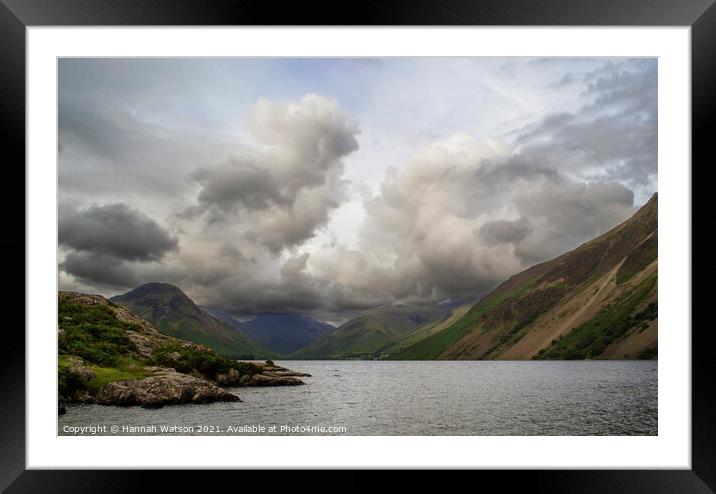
(114, 230)
(98, 269)
(293, 290)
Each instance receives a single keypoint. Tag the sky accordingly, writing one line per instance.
(329, 186)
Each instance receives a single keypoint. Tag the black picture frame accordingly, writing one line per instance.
(16, 15)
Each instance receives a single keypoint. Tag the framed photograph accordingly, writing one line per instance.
(409, 238)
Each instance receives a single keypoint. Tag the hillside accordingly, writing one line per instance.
(597, 301)
(110, 356)
(372, 332)
(175, 314)
(281, 333)
(429, 328)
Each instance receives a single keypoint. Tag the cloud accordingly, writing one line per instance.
(565, 213)
(115, 230)
(287, 183)
(468, 172)
(112, 245)
(504, 231)
(462, 216)
(459, 217)
(99, 269)
(612, 137)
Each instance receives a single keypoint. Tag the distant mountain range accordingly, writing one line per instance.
(373, 331)
(281, 333)
(175, 314)
(597, 301)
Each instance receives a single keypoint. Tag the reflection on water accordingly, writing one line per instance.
(420, 398)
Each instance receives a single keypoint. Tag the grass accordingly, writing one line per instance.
(591, 338)
(353, 344)
(107, 375)
(433, 345)
(426, 330)
(125, 369)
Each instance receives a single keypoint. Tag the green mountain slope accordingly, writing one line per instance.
(597, 301)
(428, 329)
(371, 332)
(175, 314)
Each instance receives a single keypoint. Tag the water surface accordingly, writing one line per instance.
(420, 398)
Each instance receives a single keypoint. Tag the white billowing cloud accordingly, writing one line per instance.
(288, 182)
(460, 217)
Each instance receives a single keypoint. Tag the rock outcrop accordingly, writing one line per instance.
(270, 369)
(79, 368)
(270, 375)
(163, 387)
(264, 380)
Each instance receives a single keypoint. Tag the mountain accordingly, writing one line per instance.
(597, 301)
(372, 331)
(175, 314)
(282, 333)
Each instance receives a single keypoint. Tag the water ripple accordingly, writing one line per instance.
(428, 398)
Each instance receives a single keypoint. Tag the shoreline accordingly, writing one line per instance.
(166, 386)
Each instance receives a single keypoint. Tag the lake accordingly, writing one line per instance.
(417, 398)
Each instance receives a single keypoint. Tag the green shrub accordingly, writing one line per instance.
(207, 363)
(591, 338)
(93, 333)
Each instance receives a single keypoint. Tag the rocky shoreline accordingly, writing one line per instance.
(165, 386)
(110, 356)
